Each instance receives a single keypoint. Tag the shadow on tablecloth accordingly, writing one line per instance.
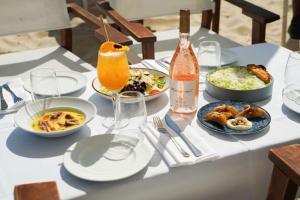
(28, 145)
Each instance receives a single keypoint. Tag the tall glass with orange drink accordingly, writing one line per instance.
(113, 70)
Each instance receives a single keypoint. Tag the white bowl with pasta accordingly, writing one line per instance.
(55, 117)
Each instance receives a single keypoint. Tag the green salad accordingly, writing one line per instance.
(142, 81)
(235, 78)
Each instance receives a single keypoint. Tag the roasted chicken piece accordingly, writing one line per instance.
(252, 112)
(260, 72)
(219, 118)
(227, 109)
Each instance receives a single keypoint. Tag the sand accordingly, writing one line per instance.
(233, 25)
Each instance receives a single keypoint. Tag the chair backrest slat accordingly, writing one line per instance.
(19, 16)
(143, 9)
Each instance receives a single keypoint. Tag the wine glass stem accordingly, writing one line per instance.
(115, 108)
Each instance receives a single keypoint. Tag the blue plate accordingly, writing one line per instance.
(258, 124)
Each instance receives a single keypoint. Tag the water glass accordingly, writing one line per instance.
(291, 78)
(43, 84)
(292, 69)
(131, 119)
(209, 54)
(131, 110)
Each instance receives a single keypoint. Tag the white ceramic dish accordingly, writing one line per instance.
(23, 118)
(85, 160)
(96, 85)
(68, 82)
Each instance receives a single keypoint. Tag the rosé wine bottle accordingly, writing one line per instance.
(184, 71)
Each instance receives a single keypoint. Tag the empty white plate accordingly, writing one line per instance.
(68, 82)
(85, 159)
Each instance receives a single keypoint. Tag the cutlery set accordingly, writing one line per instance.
(172, 124)
(4, 104)
(160, 127)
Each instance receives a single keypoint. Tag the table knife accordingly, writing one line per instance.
(172, 124)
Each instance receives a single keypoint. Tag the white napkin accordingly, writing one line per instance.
(152, 64)
(16, 86)
(172, 155)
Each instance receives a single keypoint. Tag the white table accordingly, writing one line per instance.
(241, 172)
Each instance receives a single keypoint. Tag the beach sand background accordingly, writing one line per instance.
(233, 24)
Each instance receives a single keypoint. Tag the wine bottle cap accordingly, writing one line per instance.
(184, 25)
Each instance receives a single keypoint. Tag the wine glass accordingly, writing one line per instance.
(113, 73)
(291, 80)
(131, 111)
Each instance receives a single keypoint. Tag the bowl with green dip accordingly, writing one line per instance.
(236, 83)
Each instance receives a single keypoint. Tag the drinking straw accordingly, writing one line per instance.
(105, 30)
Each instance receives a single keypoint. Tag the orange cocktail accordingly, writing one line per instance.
(113, 70)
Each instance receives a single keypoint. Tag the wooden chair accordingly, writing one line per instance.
(44, 15)
(124, 16)
(286, 172)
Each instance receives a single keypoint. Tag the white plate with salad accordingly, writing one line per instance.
(152, 83)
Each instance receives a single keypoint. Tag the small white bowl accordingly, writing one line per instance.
(23, 118)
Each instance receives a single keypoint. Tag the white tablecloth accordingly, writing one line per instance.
(241, 172)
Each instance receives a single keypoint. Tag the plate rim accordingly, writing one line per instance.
(289, 107)
(76, 74)
(68, 155)
(136, 68)
(234, 132)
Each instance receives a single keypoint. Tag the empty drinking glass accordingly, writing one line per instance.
(291, 78)
(43, 84)
(131, 108)
(131, 119)
(209, 54)
(209, 57)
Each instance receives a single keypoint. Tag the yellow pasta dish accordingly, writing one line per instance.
(57, 120)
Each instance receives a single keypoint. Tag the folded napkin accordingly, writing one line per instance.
(17, 87)
(172, 155)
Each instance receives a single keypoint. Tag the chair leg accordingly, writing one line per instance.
(206, 19)
(258, 32)
(148, 50)
(216, 16)
(66, 38)
(281, 186)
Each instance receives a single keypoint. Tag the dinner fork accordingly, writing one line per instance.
(3, 105)
(160, 127)
(16, 98)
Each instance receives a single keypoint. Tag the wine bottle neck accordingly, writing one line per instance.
(184, 40)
